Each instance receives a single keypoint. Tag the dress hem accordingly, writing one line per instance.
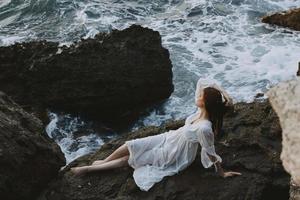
(130, 161)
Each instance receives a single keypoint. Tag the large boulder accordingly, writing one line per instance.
(285, 99)
(289, 19)
(111, 77)
(28, 158)
(251, 144)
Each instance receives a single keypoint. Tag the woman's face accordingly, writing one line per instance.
(200, 100)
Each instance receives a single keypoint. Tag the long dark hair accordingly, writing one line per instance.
(215, 107)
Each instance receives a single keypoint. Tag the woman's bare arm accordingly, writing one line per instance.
(219, 168)
(223, 91)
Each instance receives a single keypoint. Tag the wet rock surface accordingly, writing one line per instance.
(289, 19)
(112, 77)
(28, 158)
(251, 144)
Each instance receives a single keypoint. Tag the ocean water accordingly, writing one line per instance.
(220, 39)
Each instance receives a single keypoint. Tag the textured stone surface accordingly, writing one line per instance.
(294, 191)
(112, 77)
(289, 19)
(251, 144)
(285, 98)
(28, 158)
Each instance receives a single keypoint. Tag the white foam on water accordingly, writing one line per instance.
(52, 124)
(220, 39)
(286, 4)
(64, 134)
(4, 3)
(234, 48)
(84, 146)
(9, 20)
(6, 41)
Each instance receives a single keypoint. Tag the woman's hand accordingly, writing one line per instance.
(230, 173)
(225, 94)
(220, 170)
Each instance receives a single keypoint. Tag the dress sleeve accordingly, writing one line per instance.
(201, 84)
(208, 82)
(206, 140)
(190, 117)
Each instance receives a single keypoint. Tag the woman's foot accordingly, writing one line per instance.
(79, 171)
(98, 162)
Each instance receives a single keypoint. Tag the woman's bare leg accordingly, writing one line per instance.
(119, 162)
(118, 153)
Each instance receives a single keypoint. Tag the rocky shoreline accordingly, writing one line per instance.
(251, 144)
(112, 77)
(284, 98)
(92, 75)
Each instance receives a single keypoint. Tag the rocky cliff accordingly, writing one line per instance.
(285, 100)
(28, 158)
(111, 77)
(251, 144)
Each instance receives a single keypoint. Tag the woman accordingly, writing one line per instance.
(157, 156)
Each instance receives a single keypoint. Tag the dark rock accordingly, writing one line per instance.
(251, 144)
(289, 19)
(258, 95)
(298, 72)
(28, 158)
(112, 77)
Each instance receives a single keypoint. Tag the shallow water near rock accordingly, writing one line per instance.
(75, 136)
(223, 40)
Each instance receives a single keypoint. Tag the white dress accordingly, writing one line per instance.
(157, 156)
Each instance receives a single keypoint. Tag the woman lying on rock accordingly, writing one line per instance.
(157, 156)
